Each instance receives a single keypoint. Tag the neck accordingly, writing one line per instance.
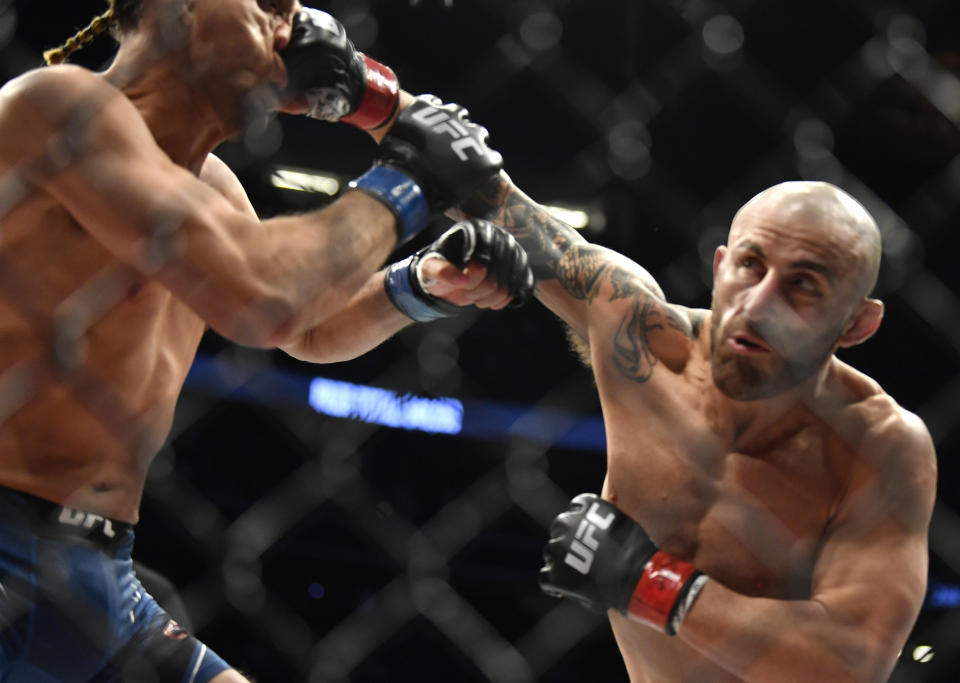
(181, 118)
(746, 420)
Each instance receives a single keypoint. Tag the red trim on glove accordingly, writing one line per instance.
(380, 97)
(660, 586)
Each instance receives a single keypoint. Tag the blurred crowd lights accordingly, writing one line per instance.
(304, 180)
(385, 407)
(307, 180)
(942, 595)
(474, 419)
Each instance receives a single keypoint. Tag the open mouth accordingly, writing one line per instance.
(746, 344)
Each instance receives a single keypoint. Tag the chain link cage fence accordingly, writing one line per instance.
(382, 519)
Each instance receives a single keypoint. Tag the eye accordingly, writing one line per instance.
(749, 262)
(805, 284)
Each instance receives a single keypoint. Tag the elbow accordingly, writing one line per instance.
(879, 658)
(873, 665)
(261, 322)
(869, 661)
(848, 649)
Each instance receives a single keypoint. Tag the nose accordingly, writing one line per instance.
(763, 298)
(282, 32)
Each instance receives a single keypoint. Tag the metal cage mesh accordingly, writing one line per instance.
(311, 547)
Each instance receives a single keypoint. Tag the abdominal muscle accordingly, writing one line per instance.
(80, 421)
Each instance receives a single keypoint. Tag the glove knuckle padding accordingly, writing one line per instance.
(559, 527)
(618, 551)
(487, 237)
(320, 55)
(457, 244)
(442, 150)
(579, 503)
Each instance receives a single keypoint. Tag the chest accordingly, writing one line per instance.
(752, 518)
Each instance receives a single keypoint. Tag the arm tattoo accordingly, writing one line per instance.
(579, 271)
(557, 252)
(631, 346)
(547, 240)
(624, 284)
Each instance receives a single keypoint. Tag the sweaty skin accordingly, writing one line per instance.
(743, 445)
(123, 238)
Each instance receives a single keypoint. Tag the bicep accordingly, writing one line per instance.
(219, 176)
(108, 172)
(629, 325)
(872, 567)
(875, 577)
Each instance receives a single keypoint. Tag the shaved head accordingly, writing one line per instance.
(812, 203)
(791, 286)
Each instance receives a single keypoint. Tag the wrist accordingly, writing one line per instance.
(381, 96)
(405, 292)
(398, 192)
(665, 592)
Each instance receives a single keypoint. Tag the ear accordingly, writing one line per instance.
(718, 255)
(173, 17)
(863, 324)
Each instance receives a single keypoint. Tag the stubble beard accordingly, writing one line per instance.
(748, 378)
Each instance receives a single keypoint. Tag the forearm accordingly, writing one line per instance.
(761, 639)
(552, 246)
(324, 259)
(546, 239)
(366, 321)
(571, 273)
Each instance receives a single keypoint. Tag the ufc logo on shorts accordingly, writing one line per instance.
(442, 122)
(86, 520)
(584, 542)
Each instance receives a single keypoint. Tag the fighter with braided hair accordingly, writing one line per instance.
(117, 15)
(125, 238)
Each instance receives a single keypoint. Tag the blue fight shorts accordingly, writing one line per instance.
(72, 609)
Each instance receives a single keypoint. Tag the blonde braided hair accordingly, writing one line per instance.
(82, 37)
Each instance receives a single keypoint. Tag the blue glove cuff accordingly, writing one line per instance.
(399, 193)
(399, 286)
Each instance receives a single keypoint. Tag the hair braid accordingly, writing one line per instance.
(78, 40)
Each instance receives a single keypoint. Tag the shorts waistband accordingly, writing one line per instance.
(48, 519)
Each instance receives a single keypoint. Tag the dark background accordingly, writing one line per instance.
(312, 548)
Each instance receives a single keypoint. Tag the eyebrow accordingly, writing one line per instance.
(802, 264)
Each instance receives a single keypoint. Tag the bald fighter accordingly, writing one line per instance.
(123, 238)
(765, 509)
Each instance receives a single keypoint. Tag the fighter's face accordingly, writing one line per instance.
(783, 293)
(234, 55)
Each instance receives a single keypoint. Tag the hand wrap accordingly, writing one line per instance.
(470, 240)
(432, 158)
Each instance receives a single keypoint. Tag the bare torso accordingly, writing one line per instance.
(92, 358)
(749, 509)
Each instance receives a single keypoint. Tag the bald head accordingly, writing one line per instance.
(822, 206)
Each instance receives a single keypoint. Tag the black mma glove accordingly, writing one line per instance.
(338, 82)
(600, 557)
(432, 158)
(470, 240)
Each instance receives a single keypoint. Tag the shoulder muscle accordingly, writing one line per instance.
(218, 175)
